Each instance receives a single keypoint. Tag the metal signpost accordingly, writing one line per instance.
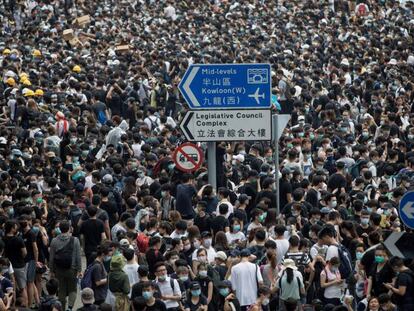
(279, 123)
(215, 87)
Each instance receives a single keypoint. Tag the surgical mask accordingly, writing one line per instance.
(197, 244)
(410, 136)
(369, 209)
(73, 140)
(359, 255)
(387, 212)
(147, 295)
(184, 278)
(163, 194)
(203, 273)
(207, 243)
(75, 159)
(224, 292)
(141, 175)
(162, 278)
(35, 229)
(312, 136)
(289, 146)
(333, 204)
(107, 258)
(265, 301)
(196, 292)
(236, 228)
(5, 270)
(379, 259)
(365, 221)
(365, 134)
(85, 153)
(57, 231)
(187, 247)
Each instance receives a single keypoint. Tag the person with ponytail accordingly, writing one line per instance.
(290, 286)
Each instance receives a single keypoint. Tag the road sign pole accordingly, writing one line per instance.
(276, 157)
(212, 169)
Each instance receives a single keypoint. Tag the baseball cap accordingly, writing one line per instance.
(87, 296)
(221, 255)
(195, 285)
(107, 178)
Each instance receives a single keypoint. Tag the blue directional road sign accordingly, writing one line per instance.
(227, 86)
(406, 209)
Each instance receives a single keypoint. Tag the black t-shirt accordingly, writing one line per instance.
(405, 278)
(219, 223)
(184, 200)
(194, 307)
(285, 189)
(267, 194)
(12, 250)
(157, 306)
(385, 275)
(203, 223)
(29, 238)
(99, 273)
(92, 229)
(111, 209)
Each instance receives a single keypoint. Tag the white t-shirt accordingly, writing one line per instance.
(230, 211)
(282, 246)
(131, 269)
(231, 237)
(332, 252)
(244, 278)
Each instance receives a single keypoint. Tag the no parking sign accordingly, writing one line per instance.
(188, 157)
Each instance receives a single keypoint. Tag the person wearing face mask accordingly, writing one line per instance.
(331, 282)
(196, 301)
(235, 237)
(206, 244)
(403, 286)
(262, 299)
(380, 273)
(151, 302)
(169, 288)
(205, 282)
(228, 300)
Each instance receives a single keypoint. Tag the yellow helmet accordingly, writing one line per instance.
(29, 93)
(26, 82)
(11, 82)
(76, 69)
(6, 51)
(23, 75)
(37, 53)
(39, 92)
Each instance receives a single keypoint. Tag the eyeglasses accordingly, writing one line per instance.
(162, 270)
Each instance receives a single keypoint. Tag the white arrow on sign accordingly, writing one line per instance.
(390, 244)
(186, 86)
(408, 210)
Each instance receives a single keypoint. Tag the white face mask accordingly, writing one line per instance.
(265, 302)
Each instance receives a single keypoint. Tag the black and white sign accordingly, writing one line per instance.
(229, 125)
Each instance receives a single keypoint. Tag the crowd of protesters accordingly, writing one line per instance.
(88, 125)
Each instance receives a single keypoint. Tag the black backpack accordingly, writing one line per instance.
(63, 256)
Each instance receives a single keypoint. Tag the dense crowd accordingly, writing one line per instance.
(91, 200)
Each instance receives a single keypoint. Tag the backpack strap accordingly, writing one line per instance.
(172, 284)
